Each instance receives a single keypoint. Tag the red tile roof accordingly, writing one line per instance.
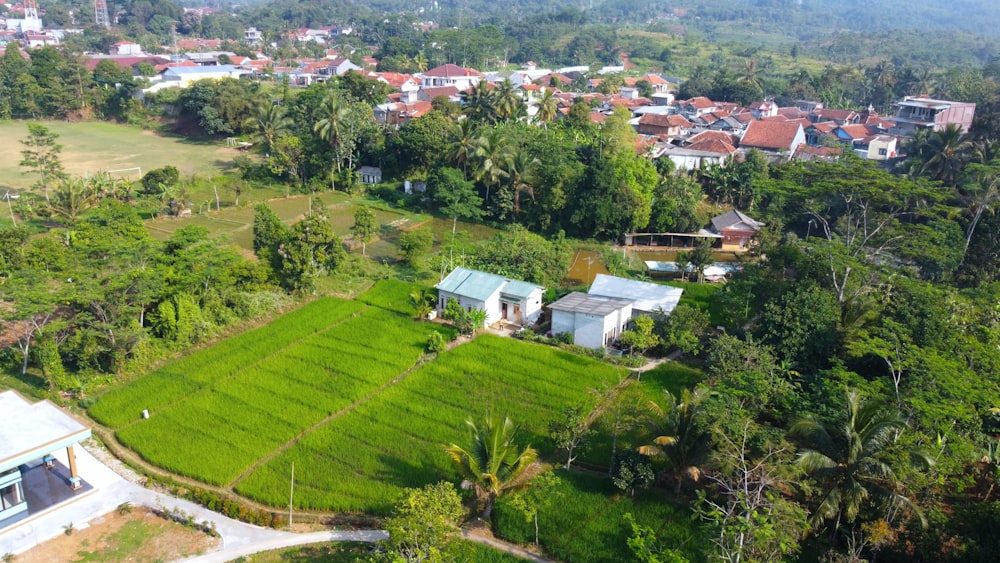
(661, 120)
(700, 102)
(857, 131)
(712, 145)
(450, 70)
(774, 135)
(712, 135)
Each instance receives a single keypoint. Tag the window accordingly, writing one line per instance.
(11, 496)
(883, 152)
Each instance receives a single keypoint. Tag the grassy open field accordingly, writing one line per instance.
(89, 147)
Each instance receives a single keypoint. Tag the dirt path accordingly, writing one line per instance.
(479, 532)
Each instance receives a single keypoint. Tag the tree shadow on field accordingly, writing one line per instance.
(411, 475)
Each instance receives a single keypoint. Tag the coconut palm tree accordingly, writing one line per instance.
(680, 439)
(948, 149)
(850, 461)
(270, 123)
(71, 197)
(548, 107)
(981, 194)
(522, 175)
(479, 104)
(495, 464)
(492, 157)
(462, 144)
(507, 104)
(330, 128)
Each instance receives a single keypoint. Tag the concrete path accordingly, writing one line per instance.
(500, 545)
(111, 490)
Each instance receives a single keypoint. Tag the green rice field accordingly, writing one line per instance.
(362, 460)
(344, 390)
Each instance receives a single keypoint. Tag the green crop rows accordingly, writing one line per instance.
(188, 375)
(393, 295)
(361, 460)
(232, 415)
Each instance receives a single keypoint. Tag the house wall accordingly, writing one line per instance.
(876, 147)
(591, 331)
(491, 305)
(532, 307)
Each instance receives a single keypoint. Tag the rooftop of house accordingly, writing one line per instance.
(645, 296)
(707, 135)
(481, 285)
(34, 429)
(715, 146)
(588, 304)
(775, 135)
(735, 220)
(700, 102)
(452, 71)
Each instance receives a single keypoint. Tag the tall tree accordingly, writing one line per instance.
(330, 128)
(680, 437)
(41, 156)
(365, 227)
(851, 463)
(271, 123)
(495, 464)
(492, 158)
(948, 152)
(548, 107)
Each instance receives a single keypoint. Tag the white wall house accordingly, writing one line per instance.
(514, 301)
(593, 320)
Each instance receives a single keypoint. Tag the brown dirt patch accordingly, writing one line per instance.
(135, 537)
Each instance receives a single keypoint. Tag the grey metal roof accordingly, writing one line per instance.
(645, 296)
(599, 305)
(735, 219)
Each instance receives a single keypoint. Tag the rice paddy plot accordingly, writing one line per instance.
(362, 460)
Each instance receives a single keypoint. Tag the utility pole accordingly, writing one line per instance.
(291, 492)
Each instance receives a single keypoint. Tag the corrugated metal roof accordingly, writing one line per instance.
(519, 288)
(600, 305)
(645, 296)
(471, 283)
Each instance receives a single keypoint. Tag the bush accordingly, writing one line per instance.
(435, 342)
(152, 180)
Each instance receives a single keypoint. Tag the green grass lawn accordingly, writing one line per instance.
(702, 296)
(89, 147)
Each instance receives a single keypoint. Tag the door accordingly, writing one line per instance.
(503, 310)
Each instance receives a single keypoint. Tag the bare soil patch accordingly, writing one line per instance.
(135, 537)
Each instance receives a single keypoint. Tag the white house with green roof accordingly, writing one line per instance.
(503, 299)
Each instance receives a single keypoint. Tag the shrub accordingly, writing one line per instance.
(435, 342)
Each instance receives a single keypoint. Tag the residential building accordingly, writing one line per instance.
(918, 112)
(451, 75)
(776, 137)
(595, 321)
(737, 229)
(126, 48)
(504, 299)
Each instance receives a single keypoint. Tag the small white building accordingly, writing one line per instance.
(370, 175)
(126, 48)
(513, 301)
(594, 321)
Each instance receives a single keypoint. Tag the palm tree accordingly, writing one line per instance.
(680, 439)
(71, 197)
(462, 144)
(492, 158)
(271, 122)
(495, 464)
(478, 103)
(506, 101)
(851, 464)
(948, 150)
(422, 301)
(548, 107)
(981, 194)
(330, 129)
(522, 175)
